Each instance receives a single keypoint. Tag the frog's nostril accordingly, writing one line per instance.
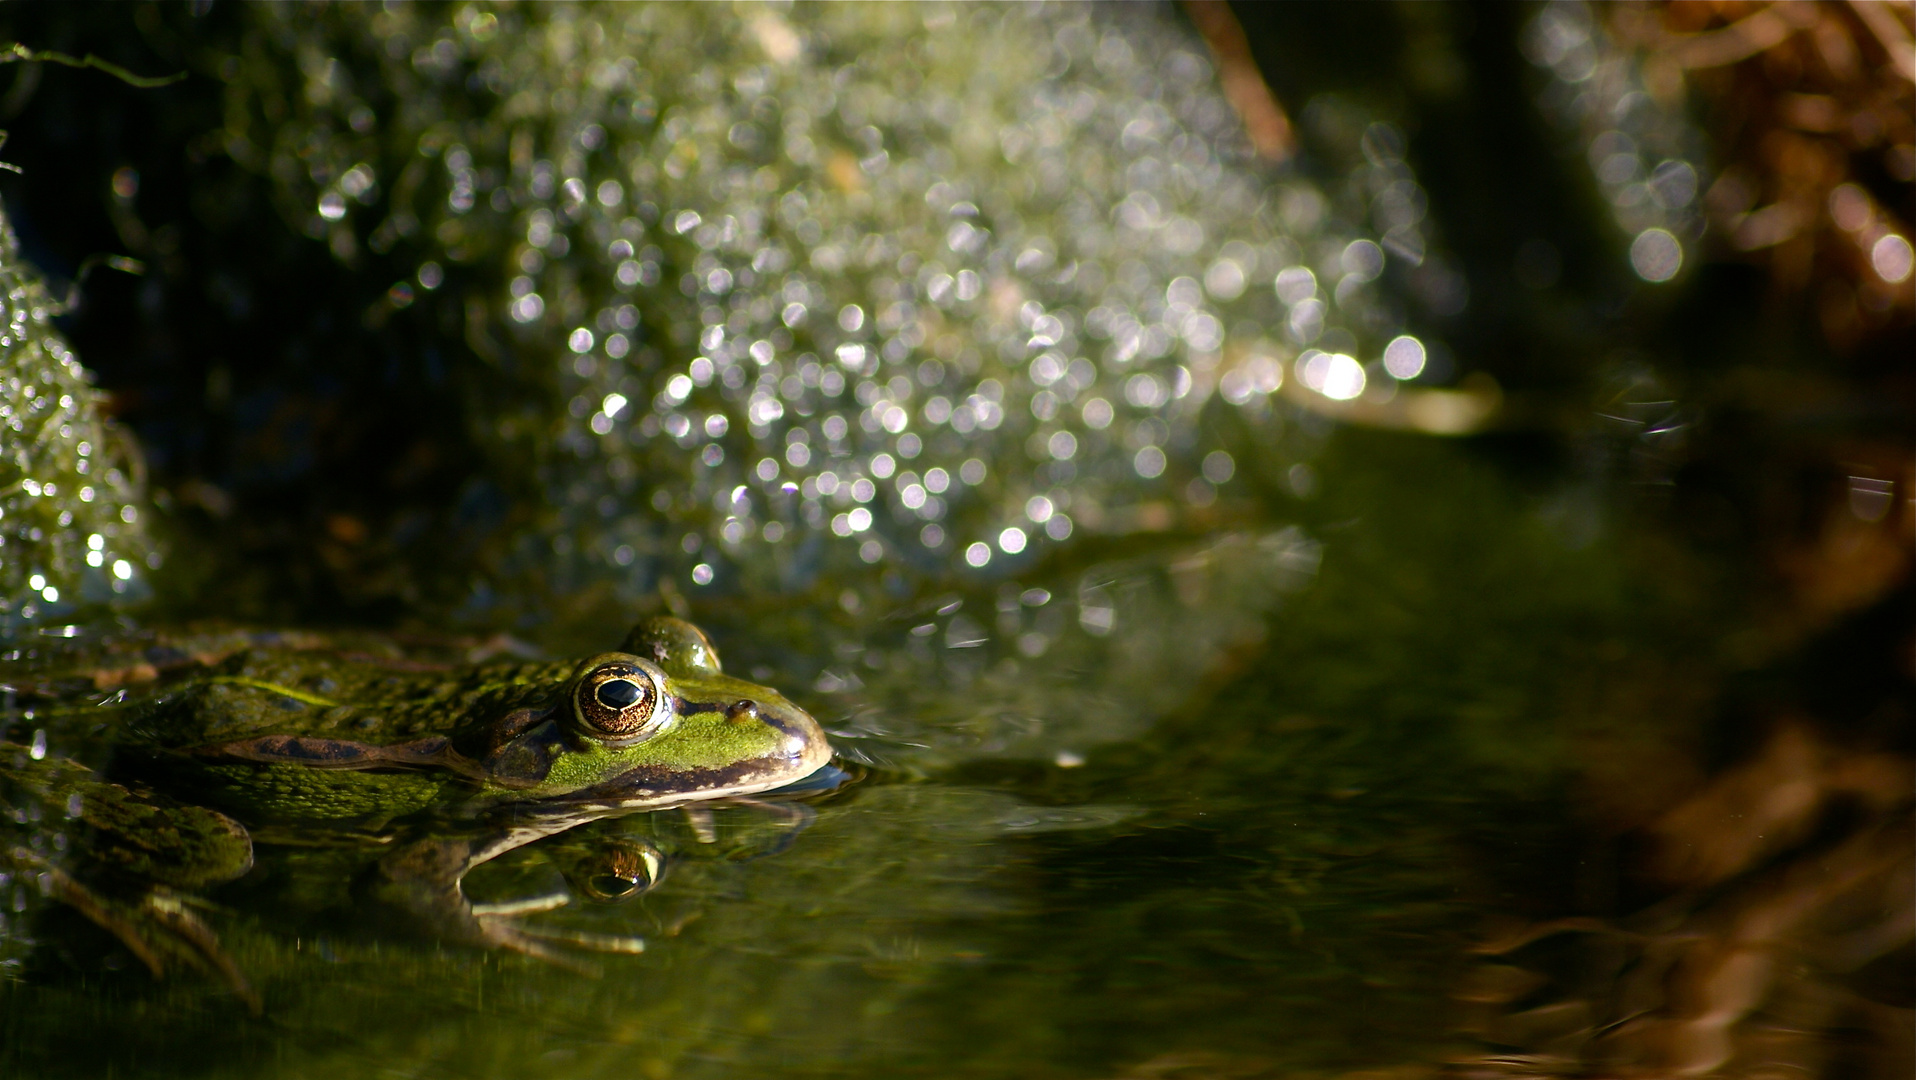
(742, 711)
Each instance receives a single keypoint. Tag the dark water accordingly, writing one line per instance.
(1289, 816)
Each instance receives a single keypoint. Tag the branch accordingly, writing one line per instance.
(19, 54)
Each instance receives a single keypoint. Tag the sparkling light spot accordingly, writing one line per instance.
(1404, 357)
(1296, 284)
(528, 308)
(978, 554)
(1012, 540)
(702, 574)
(1850, 208)
(1334, 375)
(1892, 258)
(1656, 255)
(1098, 414)
(1225, 279)
(1362, 260)
(1149, 462)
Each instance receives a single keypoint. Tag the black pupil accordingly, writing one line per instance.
(613, 886)
(618, 693)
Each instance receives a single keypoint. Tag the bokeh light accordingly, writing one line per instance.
(1655, 255)
(826, 271)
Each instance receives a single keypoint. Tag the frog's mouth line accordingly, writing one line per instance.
(640, 784)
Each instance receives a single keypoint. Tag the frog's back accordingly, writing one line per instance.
(321, 694)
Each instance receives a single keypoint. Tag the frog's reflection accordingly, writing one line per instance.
(549, 861)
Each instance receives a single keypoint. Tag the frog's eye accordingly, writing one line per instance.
(618, 700)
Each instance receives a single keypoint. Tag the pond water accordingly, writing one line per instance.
(1415, 608)
(1254, 824)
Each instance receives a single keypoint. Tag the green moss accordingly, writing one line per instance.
(72, 532)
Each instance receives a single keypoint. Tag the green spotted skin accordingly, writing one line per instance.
(272, 734)
(289, 793)
(317, 693)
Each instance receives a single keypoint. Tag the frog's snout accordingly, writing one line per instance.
(804, 747)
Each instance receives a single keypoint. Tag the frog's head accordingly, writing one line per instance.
(656, 723)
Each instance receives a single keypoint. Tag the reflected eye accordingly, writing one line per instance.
(617, 699)
(611, 887)
(623, 871)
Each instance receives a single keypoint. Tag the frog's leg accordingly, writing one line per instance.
(57, 884)
(699, 817)
(423, 879)
(138, 834)
(158, 928)
(141, 838)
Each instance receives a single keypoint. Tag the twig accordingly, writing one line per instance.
(19, 54)
(1244, 87)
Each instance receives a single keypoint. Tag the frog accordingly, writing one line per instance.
(301, 735)
(439, 767)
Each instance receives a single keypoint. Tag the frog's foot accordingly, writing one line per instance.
(560, 947)
(203, 951)
(502, 925)
(158, 930)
